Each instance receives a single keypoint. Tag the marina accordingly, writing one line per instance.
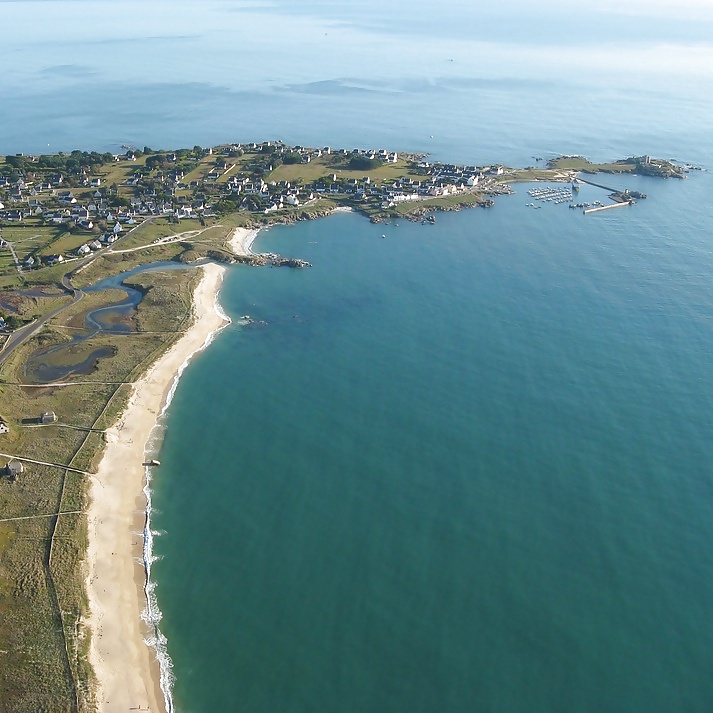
(551, 195)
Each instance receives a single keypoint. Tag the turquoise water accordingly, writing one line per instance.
(464, 467)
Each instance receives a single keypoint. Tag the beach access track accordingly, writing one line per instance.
(41, 462)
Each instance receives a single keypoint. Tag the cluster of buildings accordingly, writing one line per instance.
(438, 180)
(15, 468)
(237, 178)
(647, 166)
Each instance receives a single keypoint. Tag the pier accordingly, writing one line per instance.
(607, 207)
(598, 185)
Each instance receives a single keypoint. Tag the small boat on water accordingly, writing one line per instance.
(152, 462)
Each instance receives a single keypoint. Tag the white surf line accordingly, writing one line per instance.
(41, 462)
(34, 517)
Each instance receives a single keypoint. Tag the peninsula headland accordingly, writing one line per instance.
(87, 363)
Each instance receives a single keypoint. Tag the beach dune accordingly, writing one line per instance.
(126, 668)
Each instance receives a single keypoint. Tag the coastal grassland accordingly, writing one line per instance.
(194, 242)
(307, 211)
(156, 229)
(533, 173)
(7, 263)
(43, 643)
(29, 306)
(73, 318)
(34, 675)
(200, 171)
(118, 172)
(47, 276)
(238, 219)
(327, 165)
(114, 263)
(67, 242)
(163, 307)
(579, 163)
(31, 238)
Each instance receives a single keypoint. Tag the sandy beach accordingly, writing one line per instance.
(126, 669)
(241, 240)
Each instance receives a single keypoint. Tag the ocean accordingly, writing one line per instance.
(462, 466)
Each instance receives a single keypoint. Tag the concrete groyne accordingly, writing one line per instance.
(607, 207)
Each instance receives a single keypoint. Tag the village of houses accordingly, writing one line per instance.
(99, 202)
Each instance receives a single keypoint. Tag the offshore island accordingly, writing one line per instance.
(89, 356)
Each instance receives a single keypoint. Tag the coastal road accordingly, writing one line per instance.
(20, 336)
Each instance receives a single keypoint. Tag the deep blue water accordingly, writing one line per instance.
(464, 467)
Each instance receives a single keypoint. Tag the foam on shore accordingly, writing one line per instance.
(152, 613)
(118, 650)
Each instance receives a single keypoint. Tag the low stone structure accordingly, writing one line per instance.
(14, 469)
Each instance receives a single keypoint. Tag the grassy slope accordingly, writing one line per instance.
(36, 672)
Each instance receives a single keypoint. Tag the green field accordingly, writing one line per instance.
(31, 237)
(328, 165)
(43, 642)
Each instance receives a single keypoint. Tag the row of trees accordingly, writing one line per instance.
(69, 163)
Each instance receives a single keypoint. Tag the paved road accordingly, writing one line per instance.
(20, 336)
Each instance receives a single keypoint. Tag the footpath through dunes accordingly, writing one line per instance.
(127, 670)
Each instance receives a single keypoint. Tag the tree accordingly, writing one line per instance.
(155, 161)
(14, 322)
(17, 162)
(364, 163)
